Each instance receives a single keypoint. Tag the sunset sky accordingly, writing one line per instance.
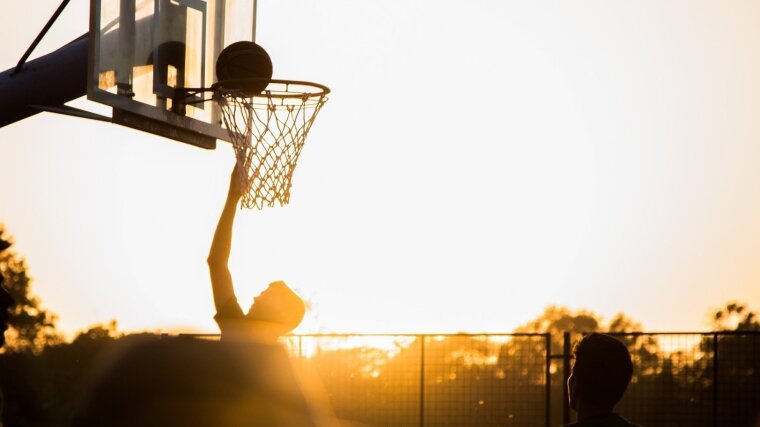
(477, 161)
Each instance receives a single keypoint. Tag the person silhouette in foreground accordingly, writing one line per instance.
(152, 381)
(599, 378)
(274, 312)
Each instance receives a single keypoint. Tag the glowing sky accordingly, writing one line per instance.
(477, 161)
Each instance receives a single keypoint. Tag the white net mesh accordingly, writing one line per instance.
(268, 132)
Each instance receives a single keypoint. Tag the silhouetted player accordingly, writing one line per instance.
(600, 375)
(275, 312)
(245, 380)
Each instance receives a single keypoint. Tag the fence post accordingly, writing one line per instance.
(548, 337)
(422, 380)
(565, 376)
(715, 379)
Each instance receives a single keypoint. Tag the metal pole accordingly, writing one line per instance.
(548, 337)
(253, 19)
(565, 376)
(422, 380)
(715, 379)
(50, 80)
(37, 40)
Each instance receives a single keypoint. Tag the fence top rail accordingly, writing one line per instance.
(489, 334)
(426, 335)
(710, 333)
(459, 334)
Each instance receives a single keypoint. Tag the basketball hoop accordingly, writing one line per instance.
(268, 131)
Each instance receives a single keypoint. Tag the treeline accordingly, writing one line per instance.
(456, 380)
(41, 387)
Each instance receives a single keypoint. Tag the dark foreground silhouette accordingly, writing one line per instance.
(192, 382)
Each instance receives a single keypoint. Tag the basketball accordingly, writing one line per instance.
(245, 60)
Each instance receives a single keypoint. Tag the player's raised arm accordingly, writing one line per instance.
(219, 255)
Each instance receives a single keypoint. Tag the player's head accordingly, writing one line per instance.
(601, 372)
(278, 305)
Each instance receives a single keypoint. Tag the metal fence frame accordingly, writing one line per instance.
(564, 356)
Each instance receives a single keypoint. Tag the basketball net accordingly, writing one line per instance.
(268, 132)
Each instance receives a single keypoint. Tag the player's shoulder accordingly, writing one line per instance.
(230, 310)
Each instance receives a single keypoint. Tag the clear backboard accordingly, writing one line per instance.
(141, 50)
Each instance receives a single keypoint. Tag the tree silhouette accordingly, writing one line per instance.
(735, 317)
(41, 387)
(31, 326)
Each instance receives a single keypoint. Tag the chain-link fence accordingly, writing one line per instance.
(695, 379)
(432, 380)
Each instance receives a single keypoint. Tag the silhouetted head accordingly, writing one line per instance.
(6, 300)
(278, 305)
(601, 372)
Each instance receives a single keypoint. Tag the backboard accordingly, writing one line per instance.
(141, 50)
